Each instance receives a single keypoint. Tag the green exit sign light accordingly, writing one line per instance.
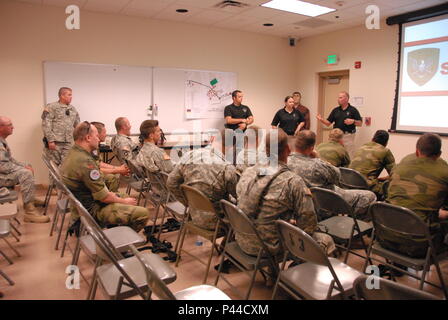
(332, 59)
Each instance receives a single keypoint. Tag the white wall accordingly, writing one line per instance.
(30, 34)
(375, 81)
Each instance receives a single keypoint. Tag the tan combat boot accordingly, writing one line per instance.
(39, 202)
(31, 214)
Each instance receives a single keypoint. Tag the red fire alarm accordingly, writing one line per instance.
(357, 64)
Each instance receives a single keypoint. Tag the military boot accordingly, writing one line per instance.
(39, 202)
(31, 214)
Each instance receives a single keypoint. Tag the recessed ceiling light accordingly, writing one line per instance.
(182, 10)
(268, 24)
(300, 7)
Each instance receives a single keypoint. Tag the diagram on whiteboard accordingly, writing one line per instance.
(207, 93)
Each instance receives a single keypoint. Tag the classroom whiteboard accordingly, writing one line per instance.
(106, 92)
(172, 103)
(102, 92)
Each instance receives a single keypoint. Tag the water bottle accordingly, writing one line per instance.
(199, 241)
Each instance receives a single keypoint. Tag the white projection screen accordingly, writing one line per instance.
(422, 99)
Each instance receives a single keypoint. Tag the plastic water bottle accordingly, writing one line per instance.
(199, 241)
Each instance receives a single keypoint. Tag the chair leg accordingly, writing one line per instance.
(15, 236)
(55, 221)
(76, 252)
(93, 283)
(4, 275)
(179, 247)
(155, 219)
(48, 198)
(61, 227)
(64, 244)
(204, 281)
(442, 282)
(6, 257)
(15, 229)
(12, 248)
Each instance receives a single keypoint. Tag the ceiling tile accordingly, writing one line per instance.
(208, 17)
(65, 3)
(170, 13)
(108, 6)
(236, 22)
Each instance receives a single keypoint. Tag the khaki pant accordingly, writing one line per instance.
(349, 143)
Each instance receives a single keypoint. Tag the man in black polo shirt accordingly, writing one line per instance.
(237, 115)
(345, 117)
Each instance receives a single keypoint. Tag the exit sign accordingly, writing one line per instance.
(332, 59)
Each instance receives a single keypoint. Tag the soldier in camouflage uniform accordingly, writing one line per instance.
(81, 174)
(319, 173)
(253, 152)
(333, 151)
(122, 145)
(420, 183)
(267, 194)
(13, 172)
(207, 171)
(110, 174)
(151, 157)
(371, 159)
(58, 121)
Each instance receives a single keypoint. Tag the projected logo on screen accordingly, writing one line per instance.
(423, 64)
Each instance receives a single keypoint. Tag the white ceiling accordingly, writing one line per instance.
(251, 18)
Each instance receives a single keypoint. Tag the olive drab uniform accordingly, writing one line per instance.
(370, 160)
(81, 174)
(421, 185)
(334, 153)
(319, 173)
(206, 170)
(267, 194)
(13, 172)
(112, 180)
(124, 148)
(58, 123)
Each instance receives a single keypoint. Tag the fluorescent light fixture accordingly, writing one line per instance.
(296, 6)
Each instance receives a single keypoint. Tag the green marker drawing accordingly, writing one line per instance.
(213, 82)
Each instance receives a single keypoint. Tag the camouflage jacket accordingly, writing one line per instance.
(58, 122)
(7, 163)
(421, 185)
(153, 159)
(123, 147)
(315, 172)
(371, 159)
(206, 170)
(285, 197)
(250, 157)
(334, 153)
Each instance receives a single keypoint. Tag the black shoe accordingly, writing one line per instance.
(226, 265)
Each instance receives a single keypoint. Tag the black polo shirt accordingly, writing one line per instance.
(236, 112)
(338, 116)
(287, 121)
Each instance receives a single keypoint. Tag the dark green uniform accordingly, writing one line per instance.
(81, 175)
(421, 185)
(334, 153)
(370, 160)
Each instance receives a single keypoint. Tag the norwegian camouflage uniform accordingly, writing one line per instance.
(111, 180)
(334, 153)
(13, 172)
(81, 174)
(207, 171)
(123, 147)
(319, 173)
(58, 123)
(370, 160)
(421, 185)
(267, 194)
(250, 157)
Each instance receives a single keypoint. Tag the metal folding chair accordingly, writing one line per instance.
(389, 218)
(352, 179)
(319, 277)
(342, 225)
(241, 223)
(387, 290)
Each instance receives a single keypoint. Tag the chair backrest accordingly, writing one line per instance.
(156, 285)
(300, 244)
(352, 179)
(136, 170)
(239, 221)
(390, 218)
(388, 290)
(196, 199)
(330, 201)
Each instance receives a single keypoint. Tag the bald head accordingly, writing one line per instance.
(6, 127)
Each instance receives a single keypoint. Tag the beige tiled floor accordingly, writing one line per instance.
(40, 272)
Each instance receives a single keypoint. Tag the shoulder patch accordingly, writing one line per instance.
(94, 174)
